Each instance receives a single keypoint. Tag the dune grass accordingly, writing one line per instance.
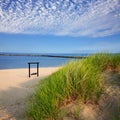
(77, 80)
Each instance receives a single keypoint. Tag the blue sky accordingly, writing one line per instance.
(59, 26)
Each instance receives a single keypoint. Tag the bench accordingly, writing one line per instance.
(36, 73)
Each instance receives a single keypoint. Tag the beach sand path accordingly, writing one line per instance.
(15, 87)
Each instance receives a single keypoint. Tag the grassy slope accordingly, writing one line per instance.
(78, 80)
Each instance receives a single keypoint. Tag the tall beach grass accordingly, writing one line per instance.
(78, 80)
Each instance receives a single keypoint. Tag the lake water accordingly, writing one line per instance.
(11, 62)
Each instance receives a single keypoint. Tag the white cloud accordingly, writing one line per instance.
(70, 17)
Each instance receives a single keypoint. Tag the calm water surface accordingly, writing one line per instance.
(11, 62)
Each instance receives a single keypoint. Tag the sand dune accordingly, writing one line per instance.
(16, 86)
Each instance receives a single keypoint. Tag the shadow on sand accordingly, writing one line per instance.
(13, 101)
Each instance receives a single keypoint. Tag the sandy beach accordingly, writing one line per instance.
(15, 87)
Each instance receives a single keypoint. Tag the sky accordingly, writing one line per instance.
(59, 26)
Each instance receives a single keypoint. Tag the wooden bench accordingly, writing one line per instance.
(36, 73)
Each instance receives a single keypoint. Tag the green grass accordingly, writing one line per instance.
(77, 80)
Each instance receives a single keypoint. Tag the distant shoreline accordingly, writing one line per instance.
(38, 55)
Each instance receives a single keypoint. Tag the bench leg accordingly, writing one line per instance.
(29, 70)
(37, 70)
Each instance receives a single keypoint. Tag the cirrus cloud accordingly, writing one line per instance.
(94, 18)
